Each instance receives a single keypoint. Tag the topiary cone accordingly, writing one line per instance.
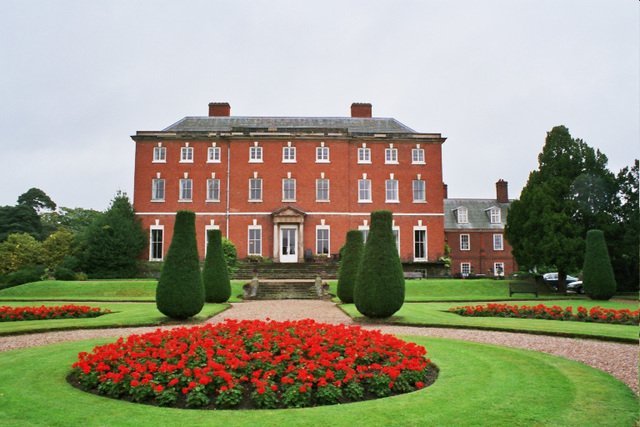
(598, 280)
(379, 290)
(349, 265)
(180, 293)
(215, 276)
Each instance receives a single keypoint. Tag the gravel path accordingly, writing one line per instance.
(619, 360)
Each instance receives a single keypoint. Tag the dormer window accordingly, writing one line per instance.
(495, 215)
(463, 215)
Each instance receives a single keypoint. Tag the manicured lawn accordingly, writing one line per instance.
(124, 314)
(436, 315)
(95, 290)
(429, 290)
(479, 384)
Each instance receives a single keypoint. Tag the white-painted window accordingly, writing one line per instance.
(322, 154)
(419, 194)
(186, 155)
(392, 190)
(420, 243)
(288, 190)
(186, 189)
(157, 189)
(417, 156)
(255, 240)
(463, 215)
(391, 155)
(213, 190)
(364, 155)
(364, 190)
(498, 268)
(213, 155)
(322, 240)
(496, 215)
(255, 190)
(159, 154)
(465, 245)
(288, 154)
(465, 268)
(255, 154)
(497, 242)
(156, 241)
(322, 190)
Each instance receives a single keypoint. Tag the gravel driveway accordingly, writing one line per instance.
(619, 360)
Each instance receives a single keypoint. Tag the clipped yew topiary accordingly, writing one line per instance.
(215, 277)
(351, 257)
(379, 290)
(598, 280)
(180, 293)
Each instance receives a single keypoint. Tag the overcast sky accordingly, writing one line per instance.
(78, 78)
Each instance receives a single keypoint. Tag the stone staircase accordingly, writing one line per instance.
(276, 270)
(284, 280)
(286, 289)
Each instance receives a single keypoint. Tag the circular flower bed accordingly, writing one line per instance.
(254, 364)
(12, 314)
(595, 314)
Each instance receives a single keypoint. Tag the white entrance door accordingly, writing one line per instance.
(289, 244)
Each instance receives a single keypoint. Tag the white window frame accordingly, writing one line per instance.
(258, 229)
(159, 155)
(255, 154)
(424, 243)
(288, 154)
(322, 154)
(153, 243)
(422, 199)
(391, 156)
(365, 232)
(215, 183)
(287, 189)
(320, 228)
(155, 190)
(465, 242)
(186, 189)
(465, 269)
(206, 236)
(396, 233)
(391, 191)
(255, 188)
(321, 190)
(496, 266)
(498, 242)
(364, 155)
(213, 155)
(186, 154)
(367, 183)
(462, 215)
(417, 156)
(495, 215)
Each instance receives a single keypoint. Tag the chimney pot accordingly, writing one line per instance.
(219, 109)
(359, 109)
(502, 191)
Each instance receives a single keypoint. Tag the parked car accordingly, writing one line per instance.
(576, 287)
(552, 279)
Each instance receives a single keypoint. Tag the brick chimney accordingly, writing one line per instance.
(502, 191)
(445, 191)
(219, 109)
(361, 110)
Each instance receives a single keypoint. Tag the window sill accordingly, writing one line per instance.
(159, 161)
(255, 201)
(185, 200)
(322, 161)
(418, 163)
(322, 201)
(186, 161)
(365, 201)
(288, 200)
(392, 201)
(289, 161)
(255, 161)
(157, 200)
(214, 161)
(391, 163)
(363, 163)
(212, 201)
(419, 201)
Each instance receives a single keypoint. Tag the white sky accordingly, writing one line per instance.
(77, 78)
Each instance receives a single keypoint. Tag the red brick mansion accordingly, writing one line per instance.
(286, 187)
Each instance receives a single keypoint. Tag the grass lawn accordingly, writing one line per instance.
(436, 315)
(94, 290)
(124, 314)
(479, 384)
(430, 290)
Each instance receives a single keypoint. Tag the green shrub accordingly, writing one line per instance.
(215, 276)
(63, 273)
(180, 293)
(599, 282)
(379, 290)
(351, 257)
(72, 263)
(24, 275)
(230, 255)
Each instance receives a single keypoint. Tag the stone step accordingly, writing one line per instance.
(327, 270)
(285, 289)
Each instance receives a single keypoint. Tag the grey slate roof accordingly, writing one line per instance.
(479, 214)
(351, 125)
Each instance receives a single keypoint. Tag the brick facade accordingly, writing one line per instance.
(309, 173)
